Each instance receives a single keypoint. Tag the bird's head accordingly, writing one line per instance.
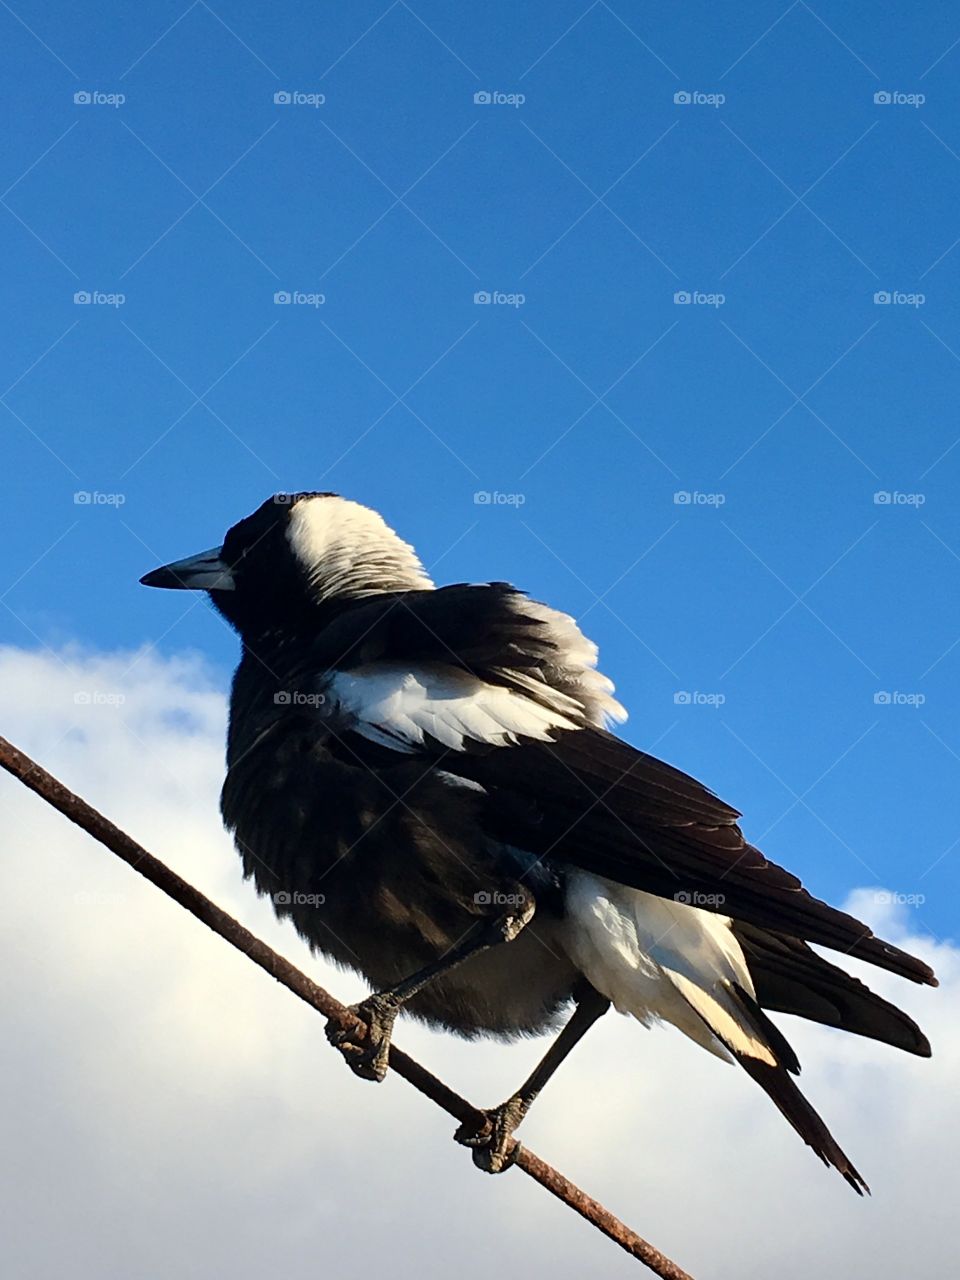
(293, 555)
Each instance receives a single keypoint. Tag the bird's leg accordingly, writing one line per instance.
(491, 1140)
(369, 1057)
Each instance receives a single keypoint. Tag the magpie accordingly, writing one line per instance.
(425, 781)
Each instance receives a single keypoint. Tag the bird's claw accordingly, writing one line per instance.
(367, 1057)
(510, 925)
(491, 1142)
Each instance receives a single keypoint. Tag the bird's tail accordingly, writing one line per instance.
(797, 1110)
(658, 959)
(776, 1081)
(789, 977)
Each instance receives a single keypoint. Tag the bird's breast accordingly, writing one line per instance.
(386, 872)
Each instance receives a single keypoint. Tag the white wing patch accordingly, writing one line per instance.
(662, 960)
(399, 708)
(577, 660)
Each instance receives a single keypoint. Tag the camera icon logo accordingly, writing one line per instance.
(282, 698)
(681, 698)
(482, 98)
(682, 97)
(281, 899)
(483, 898)
(482, 298)
(682, 896)
(682, 298)
(82, 298)
(82, 698)
(282, 98)
(882, 98)
(82, 98)
(881, 298)
(282, 298)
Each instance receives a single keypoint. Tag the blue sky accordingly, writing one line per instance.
(781, 198)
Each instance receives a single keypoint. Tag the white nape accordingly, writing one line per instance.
(348, 550)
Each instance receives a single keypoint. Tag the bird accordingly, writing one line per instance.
(428, 783)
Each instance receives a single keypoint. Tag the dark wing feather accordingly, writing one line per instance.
(604, 806)
(491, 630)
(596, 802)
(471, 626)
(789, 977)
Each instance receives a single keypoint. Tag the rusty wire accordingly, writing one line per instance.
(102, 829)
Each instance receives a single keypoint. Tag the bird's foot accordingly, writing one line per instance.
(491, 1142)
(507, 927)
(368, 1057)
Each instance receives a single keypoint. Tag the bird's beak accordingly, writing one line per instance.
(202, 572)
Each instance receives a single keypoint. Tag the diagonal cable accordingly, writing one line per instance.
(159, 874)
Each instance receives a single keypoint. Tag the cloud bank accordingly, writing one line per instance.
(168, 1109)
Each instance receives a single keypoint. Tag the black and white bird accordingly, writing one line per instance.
(423, 780)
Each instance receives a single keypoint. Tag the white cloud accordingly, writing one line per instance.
(168, 1109)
